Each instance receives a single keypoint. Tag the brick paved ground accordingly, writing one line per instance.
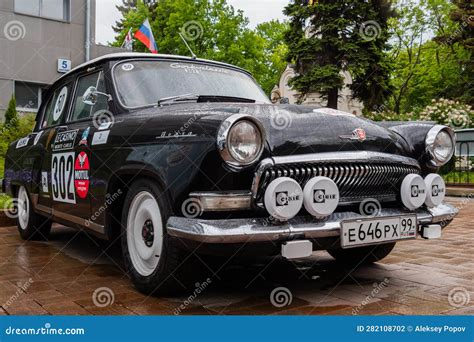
(60, 277)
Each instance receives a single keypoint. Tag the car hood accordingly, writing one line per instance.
(290, 129)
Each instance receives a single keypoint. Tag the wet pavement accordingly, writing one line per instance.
(76, 274)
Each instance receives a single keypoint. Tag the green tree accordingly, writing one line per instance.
(214, 30)
(330, 36)
(11, 115)
(462, 37)
(275, 50)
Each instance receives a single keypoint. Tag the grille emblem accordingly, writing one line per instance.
(357, 134)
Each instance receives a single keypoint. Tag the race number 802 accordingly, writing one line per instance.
(62, 177)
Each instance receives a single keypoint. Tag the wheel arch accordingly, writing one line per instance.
(119, 183)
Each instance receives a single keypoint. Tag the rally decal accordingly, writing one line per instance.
(100, 138)
(81, 175)
(60, 103)
(62, 177)
(22, 142)
(37, 137)
(64, 140)
(44, 181)
(84, 137)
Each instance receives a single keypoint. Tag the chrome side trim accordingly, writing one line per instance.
(307, 227)
(223, 201)
(353, 156)
(80, 221)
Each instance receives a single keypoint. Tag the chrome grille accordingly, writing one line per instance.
(356, 180)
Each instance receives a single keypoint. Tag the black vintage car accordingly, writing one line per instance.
(177, 156)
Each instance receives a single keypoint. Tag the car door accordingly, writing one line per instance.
(81, 121)
(50, 121)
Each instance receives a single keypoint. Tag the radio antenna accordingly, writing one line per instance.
(193, 56)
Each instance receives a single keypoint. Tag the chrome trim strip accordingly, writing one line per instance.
(223, 201)
(353, 156)
(80, 221)
(264, 230)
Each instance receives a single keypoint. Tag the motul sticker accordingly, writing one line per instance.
(81, 175)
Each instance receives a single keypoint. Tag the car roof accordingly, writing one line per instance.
(128, 55)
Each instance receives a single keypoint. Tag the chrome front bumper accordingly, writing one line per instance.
(262, 229)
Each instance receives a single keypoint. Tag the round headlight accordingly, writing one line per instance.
(240, 141)
(440, 145)
(244, 142)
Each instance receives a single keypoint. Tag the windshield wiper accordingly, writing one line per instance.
(203, 98)
(172, 99)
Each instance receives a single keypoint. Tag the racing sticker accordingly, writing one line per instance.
(64, 140)
(81, 175)
(37, 137)
(100, 138)
(60, 103)
(44, 181)
(62, 177)
(22, 142)
(84, 137)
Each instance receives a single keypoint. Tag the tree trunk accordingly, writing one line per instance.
(332, 98)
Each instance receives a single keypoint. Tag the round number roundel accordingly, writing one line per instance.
(60, 102)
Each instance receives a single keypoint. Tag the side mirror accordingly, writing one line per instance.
(90, 96)
(284, 100)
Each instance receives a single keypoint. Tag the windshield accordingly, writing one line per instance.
(143, 83)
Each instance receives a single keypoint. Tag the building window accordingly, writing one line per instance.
(50, 9)
(28, 96)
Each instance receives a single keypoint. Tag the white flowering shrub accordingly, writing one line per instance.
(448, 112)
(388, 115)
(464, 163)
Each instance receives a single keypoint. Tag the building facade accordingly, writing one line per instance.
(40, 40)
(346, 102)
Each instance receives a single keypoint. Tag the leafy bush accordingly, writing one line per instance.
(388, 115)
(449, 112)
(11, 132)
(11, 115)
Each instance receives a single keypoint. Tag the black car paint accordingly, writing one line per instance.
(175, 146)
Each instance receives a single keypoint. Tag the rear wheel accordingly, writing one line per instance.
(154, 261)
(30, 225)
(362, 255)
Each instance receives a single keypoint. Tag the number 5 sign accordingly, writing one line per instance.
(64, 65)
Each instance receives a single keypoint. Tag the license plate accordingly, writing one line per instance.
(367, 231)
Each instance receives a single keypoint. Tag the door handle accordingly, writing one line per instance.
(61, 128)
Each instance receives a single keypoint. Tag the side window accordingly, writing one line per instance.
(83, 110)
(56, 106)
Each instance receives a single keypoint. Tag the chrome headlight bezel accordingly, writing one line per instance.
(430, 146)
(223, 143)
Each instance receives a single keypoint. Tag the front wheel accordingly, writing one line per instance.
(362, 255)
(31, 226)
(153, 260)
